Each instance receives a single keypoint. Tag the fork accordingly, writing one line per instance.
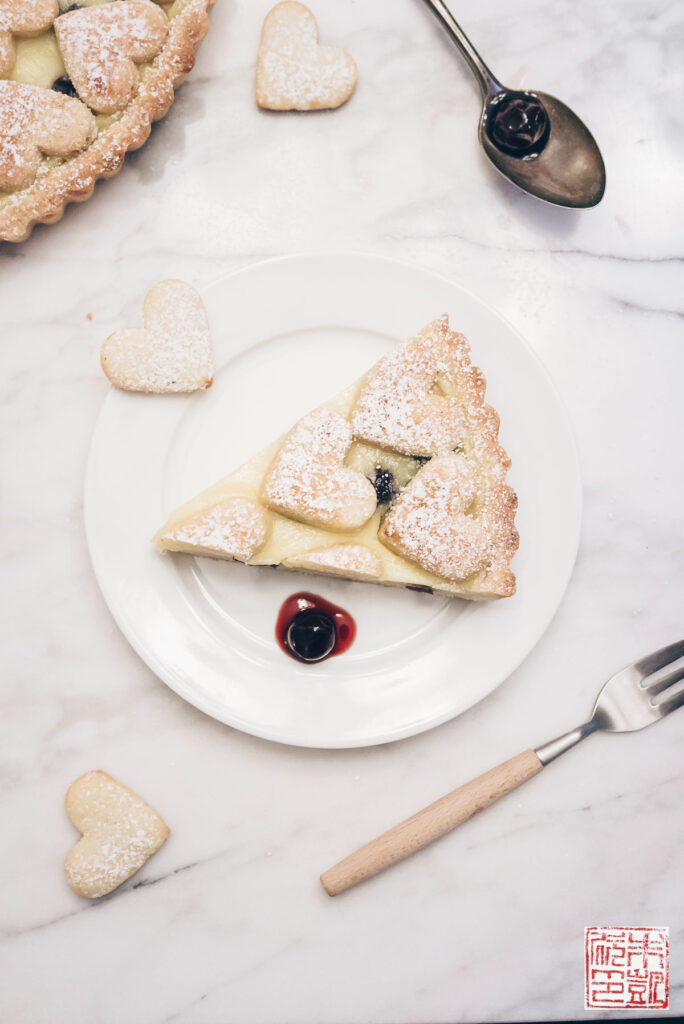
(626, 703)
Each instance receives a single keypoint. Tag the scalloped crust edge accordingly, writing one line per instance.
(501, 501)
(74, 181)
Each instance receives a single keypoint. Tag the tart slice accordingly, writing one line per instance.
(400, 480)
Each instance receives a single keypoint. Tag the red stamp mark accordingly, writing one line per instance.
(626, 968)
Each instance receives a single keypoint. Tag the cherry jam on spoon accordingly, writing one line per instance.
(532, 138)
(311, 629)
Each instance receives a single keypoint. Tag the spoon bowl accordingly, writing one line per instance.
(546, 150)
(568, 170)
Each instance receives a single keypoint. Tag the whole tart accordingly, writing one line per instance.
(81, 82)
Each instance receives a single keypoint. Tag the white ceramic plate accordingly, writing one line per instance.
(288, 334)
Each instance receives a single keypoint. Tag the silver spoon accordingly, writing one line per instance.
(532, 138)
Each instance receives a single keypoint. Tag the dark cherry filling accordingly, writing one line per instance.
(311, 636)
(310, 629)
(66, 86)
(517, 124)
(384, 484)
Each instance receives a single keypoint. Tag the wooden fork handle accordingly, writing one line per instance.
(434, 821)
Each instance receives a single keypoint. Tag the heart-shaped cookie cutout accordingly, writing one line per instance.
(401, 406)
(22, 18)
(102, 45)
(172, 352)
(234, 528)
(293, 71)
(353, 561)
(33, 121)
(308, 480)
(119, 833)
(428, 524)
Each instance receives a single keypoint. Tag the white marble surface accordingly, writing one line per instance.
(230, 924)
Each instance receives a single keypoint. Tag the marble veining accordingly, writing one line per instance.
(227, 923)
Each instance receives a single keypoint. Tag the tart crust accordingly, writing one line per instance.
(73, 181)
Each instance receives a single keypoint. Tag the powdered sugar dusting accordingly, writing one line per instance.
(171, 353)
(429, 524)
(102, 44)
(235, 527)
(293, 71)
(120, 832)
(353, 560)
(34, 121)
(308, 480)
(397, 407)
(25, 17)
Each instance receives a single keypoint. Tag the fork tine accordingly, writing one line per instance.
(671, 704)
(660, 659)
(663, 682)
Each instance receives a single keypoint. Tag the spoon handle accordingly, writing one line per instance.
(488, 83)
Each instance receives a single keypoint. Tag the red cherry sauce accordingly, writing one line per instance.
(311, 629)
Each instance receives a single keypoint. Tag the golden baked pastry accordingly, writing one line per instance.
(400, 480)
(80, 84)
(171, 353)
(119, 832)
(294, 72)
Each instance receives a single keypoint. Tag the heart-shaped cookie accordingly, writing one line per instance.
(119, 832)
(172, 352)
(34, 121)
(102, 45)
(401, 406)
(293, 71)
(309, 481)
(428, 524)
(354, 561)
(235, 527)
(22, 18)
